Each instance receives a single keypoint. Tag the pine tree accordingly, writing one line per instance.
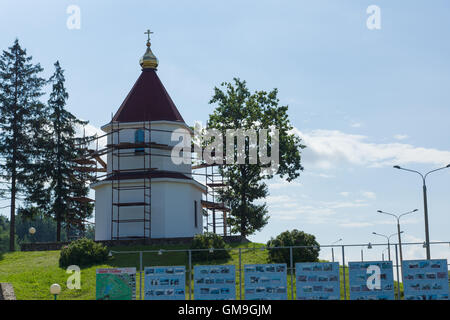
(79, 210)
(21, 115)
(65, 185)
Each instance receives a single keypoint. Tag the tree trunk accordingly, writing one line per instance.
(244, 204)
(59, 180)
(58, 228)
(244, 207)
(12, 223)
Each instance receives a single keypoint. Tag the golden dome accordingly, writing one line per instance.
(148, 60)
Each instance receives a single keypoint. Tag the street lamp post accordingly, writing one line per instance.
(388, 238)
(398, 227)
(32, 231)
(382, 253)
(55, 290)
(332, 249)
(425, 203)
(369, 246)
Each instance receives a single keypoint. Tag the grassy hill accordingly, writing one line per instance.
(32, 273)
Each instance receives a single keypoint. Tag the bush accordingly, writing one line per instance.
(291, 239)
(83, 252)
(209, 240)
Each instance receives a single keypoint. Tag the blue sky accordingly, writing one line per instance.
(362, 100)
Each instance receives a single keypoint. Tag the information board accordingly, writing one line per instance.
(372, 280)
(215, 282)
(317, 281)
(265, 281)
(425, 279)
(165, 283)
(115, 284)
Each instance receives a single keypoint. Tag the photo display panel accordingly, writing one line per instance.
(115, 284)
(165, 283)
(372, 280)
(317, 281)
(265, 281)
(215, 282)
(425, 279)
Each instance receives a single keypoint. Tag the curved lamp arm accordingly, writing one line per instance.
(447, 166)
(404, 214)
(400, 168)
(391, 214)
(381, 235)
(423, 176)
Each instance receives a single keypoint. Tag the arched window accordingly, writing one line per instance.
(139, 137)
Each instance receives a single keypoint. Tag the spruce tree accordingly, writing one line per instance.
(21, 119)
(66, 186)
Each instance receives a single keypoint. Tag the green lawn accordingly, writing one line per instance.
(32, 273)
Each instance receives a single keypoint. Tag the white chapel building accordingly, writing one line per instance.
(144, 194)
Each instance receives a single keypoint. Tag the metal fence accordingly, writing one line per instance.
(256, 254)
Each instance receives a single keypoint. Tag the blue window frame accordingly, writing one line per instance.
(139, 137)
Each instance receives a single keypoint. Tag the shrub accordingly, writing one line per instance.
(83, 252)
(294, 238)
(209, 240)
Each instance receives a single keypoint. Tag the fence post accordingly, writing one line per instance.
(343, 272)
(292, 281)
(190, 275)
(398, 276)
(140, 275)
(240, 273)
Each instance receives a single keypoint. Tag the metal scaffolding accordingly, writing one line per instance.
(84, 169)
(215, 211)
(139, 179)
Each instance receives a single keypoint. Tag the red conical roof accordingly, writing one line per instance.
(148, 100)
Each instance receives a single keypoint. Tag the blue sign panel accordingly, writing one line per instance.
(165, 283)
(425, 279)
(115, 284)
(317, 281)
(373, 280)
(215, 282)
(265, 281)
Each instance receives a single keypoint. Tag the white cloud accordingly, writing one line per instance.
(313, 214)
(285, 207)
(278, 199)
(90, 130)
(401, 136)
(344, 193)
(329, 148)
(356, 224)
(345, 204)
(278, 183)
(369, 195)
(356, 125)
(320, 175)
(282, 201)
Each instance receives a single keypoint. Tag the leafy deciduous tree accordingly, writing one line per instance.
(238, 108)
(294, 238)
